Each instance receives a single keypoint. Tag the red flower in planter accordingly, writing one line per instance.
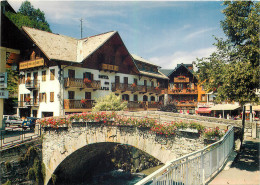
(87, 81)
(133, 85)
(82, 101)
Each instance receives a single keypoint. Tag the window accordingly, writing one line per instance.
(43, 75)
(71, 94)
(135, 97)
(152, 83)
(125, 97)
(42, 97)
(52, 74)
(88, 95)
(88, 75)
(145, 98)
(71, 73)
(51, 96)
(152, 98)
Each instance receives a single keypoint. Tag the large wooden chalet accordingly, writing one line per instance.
(60, 74)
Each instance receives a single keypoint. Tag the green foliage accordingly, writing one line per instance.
(12, 82)
(233, 71)
(29, 16)
(53, 178)
(110, 102)
(8, 165)
(8, 182)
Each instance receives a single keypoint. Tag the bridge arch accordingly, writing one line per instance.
(57, 146)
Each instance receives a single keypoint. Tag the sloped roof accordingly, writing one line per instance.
(135, 57)
(61, 47)
(146, 73)
(166, 72)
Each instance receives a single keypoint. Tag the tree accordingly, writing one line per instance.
(232, 72)
(27, 15)
(110, 102)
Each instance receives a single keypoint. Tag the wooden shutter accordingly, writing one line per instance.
(40, 97)
(43, 75)
(51, 96)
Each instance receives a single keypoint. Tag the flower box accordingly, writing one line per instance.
(78, 124)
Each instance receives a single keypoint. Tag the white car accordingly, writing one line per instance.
(12, 120)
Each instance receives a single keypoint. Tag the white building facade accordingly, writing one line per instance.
(61, 75)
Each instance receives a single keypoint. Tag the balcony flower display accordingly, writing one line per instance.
(157, 88)
(27, 99)
(82, 101)
(28, 80)
(181, 77)
(124, 121)
(87, 81)
(133, 85)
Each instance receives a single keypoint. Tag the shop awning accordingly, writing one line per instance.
(225, 107)
(203, 110)
(254, 108)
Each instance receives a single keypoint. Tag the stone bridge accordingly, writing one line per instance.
(72, 147)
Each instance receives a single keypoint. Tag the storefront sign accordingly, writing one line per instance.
(4, 94)
(3, 80)
(104, 88)
(103, 76)
(31, 63)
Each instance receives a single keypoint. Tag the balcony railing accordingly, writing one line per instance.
(128, 87)
(78, 104)
(79, 83)
(136, 88)
(182, 91)
(32, 84)
(142, 105)
(186, 104)
(29, 103)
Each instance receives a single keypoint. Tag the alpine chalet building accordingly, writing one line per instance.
(60, 75)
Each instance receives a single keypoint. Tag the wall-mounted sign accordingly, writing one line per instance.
(3, 80)
(31, 63)
(4, 94)
(104, 88)
(103, 76)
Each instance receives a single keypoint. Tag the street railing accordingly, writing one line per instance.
(12, 137)
(195, 168)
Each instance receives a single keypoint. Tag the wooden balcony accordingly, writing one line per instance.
(135, 105)
(181, 80)
(154, 90)
(79, 83)
(186, 104)
(182, 91)
(29, 103)
(108, 67)
(121, 87)
(78, 104)
(32, 84)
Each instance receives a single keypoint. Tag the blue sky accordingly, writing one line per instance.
(164, 32)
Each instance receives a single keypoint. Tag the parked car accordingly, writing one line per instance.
(168, 108)
(12, 120)
(29, 122)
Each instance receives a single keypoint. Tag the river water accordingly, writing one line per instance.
(115, 177)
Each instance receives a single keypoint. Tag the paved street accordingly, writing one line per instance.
(15, 135)
(244, 169)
